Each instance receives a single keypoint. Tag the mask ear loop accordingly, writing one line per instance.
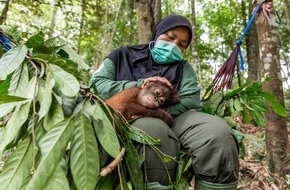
(150, 48)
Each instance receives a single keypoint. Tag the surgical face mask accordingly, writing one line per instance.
(165, 52)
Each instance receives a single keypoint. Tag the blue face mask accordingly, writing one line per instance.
(165, 52)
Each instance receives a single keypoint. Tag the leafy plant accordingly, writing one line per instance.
(54, 131)
(248, 101)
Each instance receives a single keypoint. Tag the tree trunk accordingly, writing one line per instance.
(148, 15)
(194, 39)
(4, 12)
(156, 7)
(287, 10)
(276, 128)
(83, 17)
(252, 46)
(144, 20)
(53, 19)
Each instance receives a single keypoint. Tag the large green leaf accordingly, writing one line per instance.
(53, 146)
(17, 168)
(75, 57)
(277, 107)
(7, 108)
(14, 124)
(140, 136)
(36, 42)
(66, 64)
(84, 155)
(19, 81)
(4, 85)
(8, 99)
(58, 181)
(106, 134)
(212, 103)
(94, 111)
(132, 160)
(66, 82)
(12, 59)
(45, 95)
(31, 88)
(54, 116)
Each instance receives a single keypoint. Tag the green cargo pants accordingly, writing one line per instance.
(208, 138)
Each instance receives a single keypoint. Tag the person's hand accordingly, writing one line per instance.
(157, 78)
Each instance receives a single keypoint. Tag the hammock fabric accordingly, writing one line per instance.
(5, 41)
(224, 78)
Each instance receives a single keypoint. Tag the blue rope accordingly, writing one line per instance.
(239, 42)
(5, 42)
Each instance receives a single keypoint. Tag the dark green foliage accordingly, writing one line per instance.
(57, 130)
(249, 100)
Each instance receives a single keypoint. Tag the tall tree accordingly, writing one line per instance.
(252, 51)
(148, 14)
(276, 128)
(53, 20)
(287, 10)
(82, 20)
(4, 12)
(194, 35)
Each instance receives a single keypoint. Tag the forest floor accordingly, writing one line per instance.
(254, 170)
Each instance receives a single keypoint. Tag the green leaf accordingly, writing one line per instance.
(230, 121)
(140, 136)
(54, 116)
(36, 42)
(12, 59)
(259, 118)
(19, 81)
(240, 136)
(232, 93)
(4, 85)
(31, 88)
(132, 161)
(58, 181)
(277, 107)
(246, 115)
(106, 134)
(8, 99)
(105, 182)
(75, 57)
(7, 108)
(53, 146)
(14, 124)
(94, 111)
(66, 82)
(45, 95)
(237, 105)
(66, 64)
(17, 168)
(84, 154)
(214, 101)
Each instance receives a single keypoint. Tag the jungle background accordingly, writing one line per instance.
(94, 28)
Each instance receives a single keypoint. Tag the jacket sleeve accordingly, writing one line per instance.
(103, 80)
(189, 92)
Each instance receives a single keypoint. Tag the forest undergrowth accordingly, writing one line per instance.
(254, 170)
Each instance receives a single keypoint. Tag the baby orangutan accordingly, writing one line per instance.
(147, 101)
